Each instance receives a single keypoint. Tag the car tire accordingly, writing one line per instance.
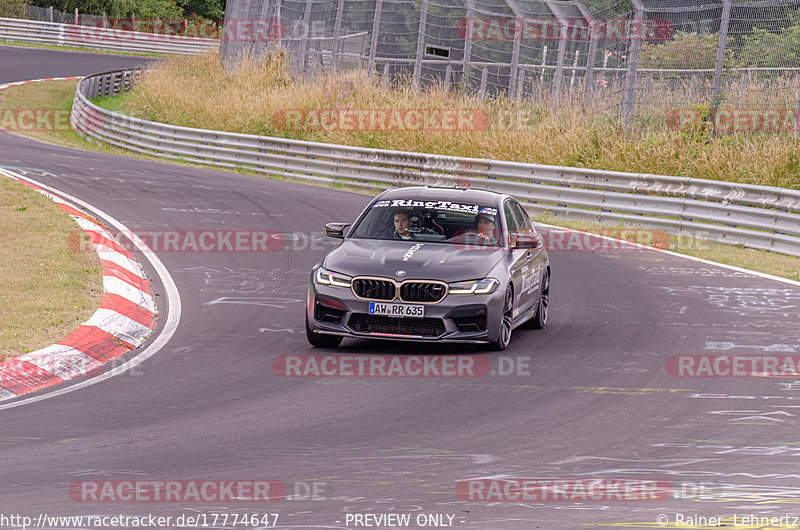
(542, 311)
(504, 333)
(318, 340)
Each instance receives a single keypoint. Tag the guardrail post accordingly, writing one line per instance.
(721, 43)
(629, 94)
(423, 20)
(373, 46)
(337, 32)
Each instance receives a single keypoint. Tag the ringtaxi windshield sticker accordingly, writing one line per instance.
(436, 205)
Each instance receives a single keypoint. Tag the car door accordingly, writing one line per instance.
(519, 264)
(535, 256)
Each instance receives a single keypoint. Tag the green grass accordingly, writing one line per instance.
(47, 287)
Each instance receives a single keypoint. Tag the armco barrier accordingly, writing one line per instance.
(34, 31)
(759, 217)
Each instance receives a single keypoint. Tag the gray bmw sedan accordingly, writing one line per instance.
(431, 264)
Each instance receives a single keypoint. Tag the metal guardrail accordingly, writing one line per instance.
(39, 32)
(760, 217)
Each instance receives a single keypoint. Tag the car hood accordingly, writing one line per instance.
(420, 260)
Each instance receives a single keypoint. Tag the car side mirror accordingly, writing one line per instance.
(336, 230)
(526, 241)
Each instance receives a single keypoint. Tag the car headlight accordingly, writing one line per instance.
(326, 277)
(484, 286)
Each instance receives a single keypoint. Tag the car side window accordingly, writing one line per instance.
(511, 221)
(525, 225)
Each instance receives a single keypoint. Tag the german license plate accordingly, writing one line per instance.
(397, 310)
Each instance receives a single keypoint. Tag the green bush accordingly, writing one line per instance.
(764, 49)
(685, 51)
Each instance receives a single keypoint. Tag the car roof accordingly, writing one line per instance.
(448, 194)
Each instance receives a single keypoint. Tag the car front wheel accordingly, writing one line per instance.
(504, 334)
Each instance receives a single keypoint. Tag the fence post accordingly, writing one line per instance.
(376, 26)
(544, 64)
(77, 20)
(337, 33)
(629, 92)
(306, 30)
(484, 79)
(50, 13)
(574, 70)
(723, 39)
(559, 74)
(133, 22)
(588, 77)
(797, 110)
(448, 75)
(468, 44)
(423, 20)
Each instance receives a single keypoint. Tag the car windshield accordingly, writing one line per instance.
(431, 220)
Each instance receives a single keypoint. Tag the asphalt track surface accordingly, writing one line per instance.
(595, 400)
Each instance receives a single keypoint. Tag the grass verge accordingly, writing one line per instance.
(22, 44)
(46, 289)
(59, 95)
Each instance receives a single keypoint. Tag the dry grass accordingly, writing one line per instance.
(198, 92)
(46, 290)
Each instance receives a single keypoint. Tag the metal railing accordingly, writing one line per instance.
(760, 217)
(98, 38)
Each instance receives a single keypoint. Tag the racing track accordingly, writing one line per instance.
(598, 401)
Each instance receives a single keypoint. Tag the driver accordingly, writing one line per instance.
(402, 222)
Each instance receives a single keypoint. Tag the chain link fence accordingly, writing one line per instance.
(723, 65)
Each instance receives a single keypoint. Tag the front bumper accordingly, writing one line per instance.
(456, 318)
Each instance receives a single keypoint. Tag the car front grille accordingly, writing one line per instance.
(423, 327)
(374, 289)
(422, 292)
